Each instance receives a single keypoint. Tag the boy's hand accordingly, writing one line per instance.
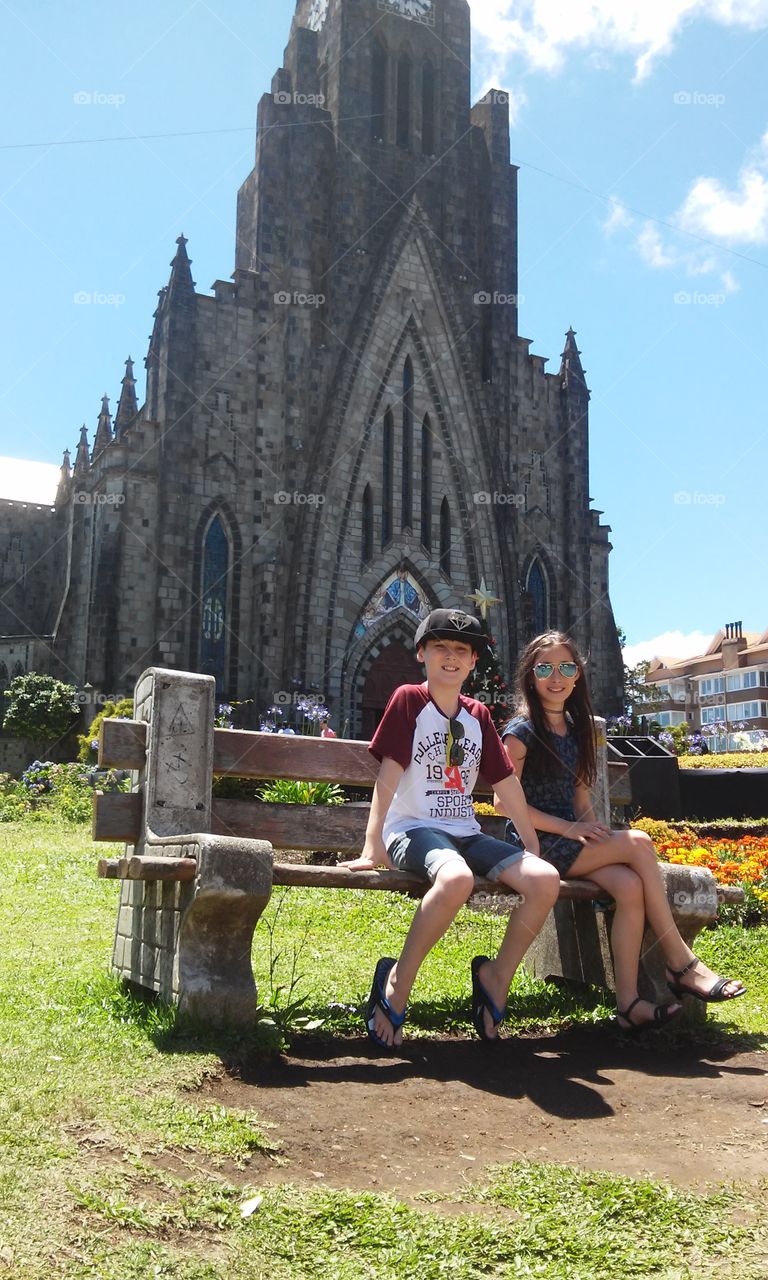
(374, 855)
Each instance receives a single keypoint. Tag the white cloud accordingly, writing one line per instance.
(730, 283)
(672, 644)
(739, 214)
(651, 248)
(543, 31)
(617, 218)
(34, 482)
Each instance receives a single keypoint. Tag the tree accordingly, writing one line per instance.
(486, 683)
(640, 698)
(40, 708)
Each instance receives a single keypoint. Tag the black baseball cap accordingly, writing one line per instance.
(453, 624)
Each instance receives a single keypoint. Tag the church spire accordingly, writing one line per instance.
(104, 429)
(181, 281)
(127, 407)
(65, 476)
(83, 457)
(571, 368)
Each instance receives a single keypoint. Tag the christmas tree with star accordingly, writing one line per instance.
(487, 684)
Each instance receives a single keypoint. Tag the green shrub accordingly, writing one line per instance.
(39, 708)
(733, 760)
(48, 791)
(89, 742)
(286, 791)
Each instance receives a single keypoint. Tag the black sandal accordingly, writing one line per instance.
(713, 996)
(661, 1018)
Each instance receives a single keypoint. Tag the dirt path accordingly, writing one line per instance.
(439, 1112)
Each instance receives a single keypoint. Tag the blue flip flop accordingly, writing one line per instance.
(378, 1000)
(482, 1001)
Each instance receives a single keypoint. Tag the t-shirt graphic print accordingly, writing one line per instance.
(432, 793)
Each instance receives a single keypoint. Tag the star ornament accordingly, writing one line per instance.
(483, 599)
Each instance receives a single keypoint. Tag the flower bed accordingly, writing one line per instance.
(733, 760)
(48, 791)
(741, 862)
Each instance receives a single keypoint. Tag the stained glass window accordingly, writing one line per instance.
(388, 448)
(213, 639)
(445, 538)
(367, 548)
(538, 590)
(408, 445)
(426, 484)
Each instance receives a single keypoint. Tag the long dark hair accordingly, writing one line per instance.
(542, 758)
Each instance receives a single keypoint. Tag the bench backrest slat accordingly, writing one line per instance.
(260, 756)
(337, 828)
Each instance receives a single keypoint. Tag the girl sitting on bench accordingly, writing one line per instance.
(551, 742)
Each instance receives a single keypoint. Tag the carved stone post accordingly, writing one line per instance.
(190, 943)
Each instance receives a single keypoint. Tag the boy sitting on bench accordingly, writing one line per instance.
(432, 744)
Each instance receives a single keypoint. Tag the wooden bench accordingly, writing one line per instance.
(198, 871)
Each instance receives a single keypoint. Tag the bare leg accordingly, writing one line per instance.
(539, 885)
(626, 889)
(436, 912)
(635, 849)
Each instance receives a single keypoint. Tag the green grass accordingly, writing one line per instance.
(113, 1165)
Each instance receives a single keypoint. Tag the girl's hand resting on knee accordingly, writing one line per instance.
(589, 832)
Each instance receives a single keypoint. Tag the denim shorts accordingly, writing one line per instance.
(560, 851)
(424, 850)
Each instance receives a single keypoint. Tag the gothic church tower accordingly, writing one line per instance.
(350, 432)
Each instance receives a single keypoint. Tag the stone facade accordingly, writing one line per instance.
(353, 415)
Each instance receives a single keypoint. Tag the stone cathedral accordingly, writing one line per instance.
(347, 433)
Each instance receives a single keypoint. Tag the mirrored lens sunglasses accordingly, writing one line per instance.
(456, 751)
(543, 670)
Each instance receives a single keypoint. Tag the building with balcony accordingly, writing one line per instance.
(722, 693)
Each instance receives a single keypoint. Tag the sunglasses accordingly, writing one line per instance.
(543, 670)
(455, 751)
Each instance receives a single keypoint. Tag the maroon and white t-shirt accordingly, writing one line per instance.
(431, 793)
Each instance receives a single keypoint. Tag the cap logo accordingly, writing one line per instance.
(460, 620)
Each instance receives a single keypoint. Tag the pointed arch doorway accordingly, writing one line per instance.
(396, 665)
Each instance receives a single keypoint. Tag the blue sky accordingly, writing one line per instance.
(641, 130)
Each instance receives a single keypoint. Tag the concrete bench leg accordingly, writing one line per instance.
(190, 944)
(215, 978)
